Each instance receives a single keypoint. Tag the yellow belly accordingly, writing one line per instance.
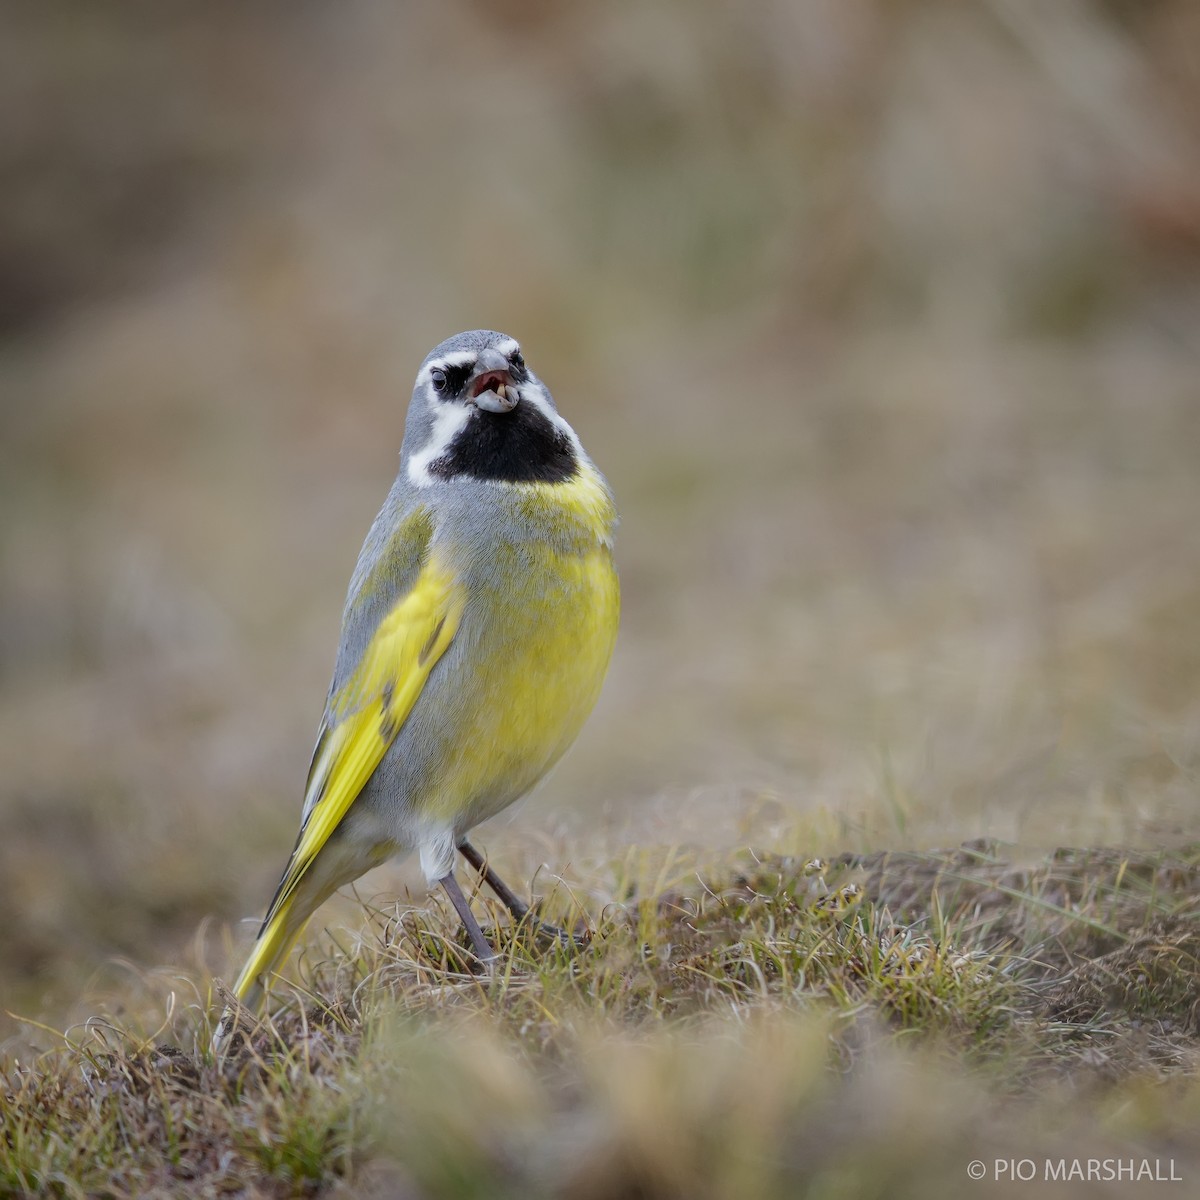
(549, 624)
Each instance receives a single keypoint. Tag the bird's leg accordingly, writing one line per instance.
(510, 899)
(480, 944)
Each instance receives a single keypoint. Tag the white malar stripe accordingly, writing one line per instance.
(534, 392)
(447, 425)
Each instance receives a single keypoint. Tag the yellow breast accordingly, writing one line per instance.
(549, 617)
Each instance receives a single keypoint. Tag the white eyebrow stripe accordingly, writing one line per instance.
(509, 347)
(459, 358)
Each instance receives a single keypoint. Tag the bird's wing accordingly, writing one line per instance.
(364, 715)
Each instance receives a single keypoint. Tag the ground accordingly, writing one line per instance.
(865, 1026)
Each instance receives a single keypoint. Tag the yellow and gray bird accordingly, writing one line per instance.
(476, 635)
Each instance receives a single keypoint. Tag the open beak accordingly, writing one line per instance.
(491, 387)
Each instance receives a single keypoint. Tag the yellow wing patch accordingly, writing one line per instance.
(365, 715)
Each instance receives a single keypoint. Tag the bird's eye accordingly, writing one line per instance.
(438, 376)
(518, 360)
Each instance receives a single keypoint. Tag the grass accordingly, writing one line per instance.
(761, 1027)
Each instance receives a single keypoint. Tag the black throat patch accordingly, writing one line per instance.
(521, 446)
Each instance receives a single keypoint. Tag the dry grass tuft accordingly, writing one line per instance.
(749, 1034)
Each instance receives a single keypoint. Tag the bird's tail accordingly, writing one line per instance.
(276, 937)
(289, 912)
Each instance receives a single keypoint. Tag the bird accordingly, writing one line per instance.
(477, 631)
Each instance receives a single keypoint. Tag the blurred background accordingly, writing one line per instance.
(883, 319)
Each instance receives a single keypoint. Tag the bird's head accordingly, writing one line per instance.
(477, 411)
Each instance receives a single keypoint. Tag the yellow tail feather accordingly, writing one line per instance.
(274, 942)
